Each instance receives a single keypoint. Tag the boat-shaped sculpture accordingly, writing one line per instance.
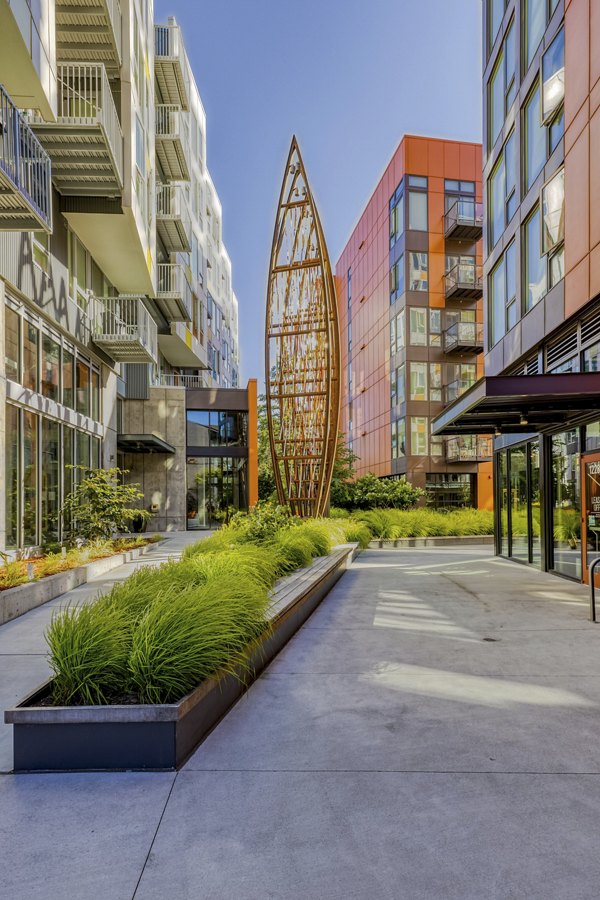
(302, 350)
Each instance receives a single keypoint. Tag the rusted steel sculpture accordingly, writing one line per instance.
(302, 350)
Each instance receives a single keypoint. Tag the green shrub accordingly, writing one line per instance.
(208, 628)
(358, 533)
(318, 536)
(263, 521)
(371, 492)
(337, 512)
(393, 524)
(89, 649)
(296, 550)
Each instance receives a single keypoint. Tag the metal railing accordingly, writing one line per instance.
(85, 98)
(464, 276)
(23, 159)
(468, 448)
(170, 203)
(167, 41)
(465, 211)
(169, 123)
(174, 380)
(463, 334)
(172, 283)
(124, 320)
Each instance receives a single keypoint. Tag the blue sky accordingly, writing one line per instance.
(349, 77)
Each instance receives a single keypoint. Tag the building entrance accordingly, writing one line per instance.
(591, 512)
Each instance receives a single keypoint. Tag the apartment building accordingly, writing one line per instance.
(115, 283)
(409, 292)
(541, 392)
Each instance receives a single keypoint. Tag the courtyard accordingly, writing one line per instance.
(432, 731)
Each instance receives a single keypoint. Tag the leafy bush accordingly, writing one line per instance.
(262, 521)
(338, 512)
(371, 492)
(101, 504)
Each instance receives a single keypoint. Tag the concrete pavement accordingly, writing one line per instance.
(432, 732)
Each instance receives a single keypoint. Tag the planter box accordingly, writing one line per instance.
(16, 601)
(440, 541)
(84, 738)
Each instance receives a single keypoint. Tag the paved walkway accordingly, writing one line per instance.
(432, 732)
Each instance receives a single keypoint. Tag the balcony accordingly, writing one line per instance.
(174, 292)
(169, 65)
(182, 349)
(464, 337)
(468, 448)
(172, 220)
(464, 220)
(464, 282)
(456, 389)
(25, 174)
(124, 329)
(85, 143)
(89, 31)
(172, 142)
(174, 380)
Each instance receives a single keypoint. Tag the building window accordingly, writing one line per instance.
(535, 262)
(397, 333)
(31, 339)
(534, 21)
(214, 485)
(512, 309)
(397, 214)
(435, 328)
(418, 272)
(50, 368)
(11, 476)
(418, 381)
(398, 438)
(398, 386)
(83, 388)
(349, 282)
(68, 371)
(397, 279)
(497, 301)
(435, 382)
(557, 265)
(502, 191)
(419, 436)
(417, 326)
(140, 153)
(495, 15)
(535, 138)
(553, 212)
(29, 478)
(12, 344)
(445, 489)
(553, 77)
(417, 210)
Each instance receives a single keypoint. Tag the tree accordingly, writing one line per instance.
(101, 504)
(371, 492)
(342, 482)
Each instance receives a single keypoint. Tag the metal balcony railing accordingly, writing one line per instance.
(174, 289)
(172, 218)
(456, 389)
(25, 173)
(463, 337)
(468, 448)
(124, 329)
(169, 65)
(174, 380)
(172, 142)
(464, 281)
(464, 219)
(87, 31)
(86, 141)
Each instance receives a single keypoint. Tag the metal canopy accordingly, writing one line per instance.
(512, 404)
(143, 443)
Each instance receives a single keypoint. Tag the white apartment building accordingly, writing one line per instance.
(115, 283)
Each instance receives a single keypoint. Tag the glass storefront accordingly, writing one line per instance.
(216, 486)
(566, 504)
(518, 502)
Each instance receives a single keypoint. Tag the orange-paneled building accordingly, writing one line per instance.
(409, 294)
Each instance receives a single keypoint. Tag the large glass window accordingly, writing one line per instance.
(510, 267)
(83, 388)
(497, 188)
(50, 368)
(397, 215)
(50, 476)
(418, 326)
(495, 14)
(535, 262)
(418, 272)
(215, 428)
(398, 386)
(397, 279)
(535, 500)
(496, 99)
(502, 495)
(95, 395)
(435, 382)
(553, 212)
(419, 436)
(30, 474)
(68, 376)
(83, 451)
(418, 381)
(12, 351)
(11, 476)
(398, 438)
(397, 340)
(417, 210)
(566, 504)
(31, 338)
(497, 301)
(215, 485)
(553, 77)
(534, 18)
(535, 138)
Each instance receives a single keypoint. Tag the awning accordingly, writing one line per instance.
(510, 404)
(143, 443)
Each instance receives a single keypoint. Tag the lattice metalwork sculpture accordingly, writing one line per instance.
(302, 350)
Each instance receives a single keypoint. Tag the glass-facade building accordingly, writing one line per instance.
(541, 390)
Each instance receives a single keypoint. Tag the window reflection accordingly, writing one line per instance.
(566, 503)
(216, 486)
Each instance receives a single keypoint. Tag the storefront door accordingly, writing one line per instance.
(591, 513)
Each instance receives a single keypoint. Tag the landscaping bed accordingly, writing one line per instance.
(162, 736)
